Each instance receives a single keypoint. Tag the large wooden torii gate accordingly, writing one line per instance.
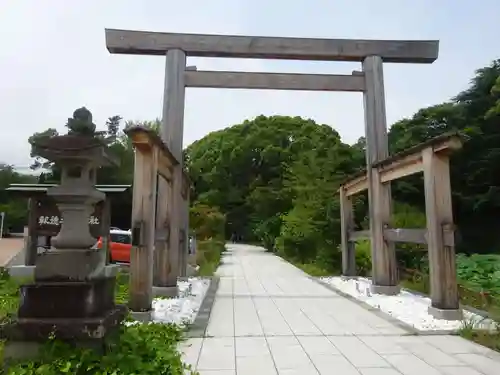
(370, 53)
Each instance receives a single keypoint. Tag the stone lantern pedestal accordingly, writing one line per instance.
(72, 295)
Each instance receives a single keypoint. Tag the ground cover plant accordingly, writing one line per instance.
(478, 277)
(137, 349)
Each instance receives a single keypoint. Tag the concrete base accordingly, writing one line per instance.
(70, 264)
(165, 291)
(20, 350)
(111, 270)
(141, 316)
(22, 272)
(454, 314)
(349, 277)
(192, 270)
(91, 329)
(388, 290)
(28, 272)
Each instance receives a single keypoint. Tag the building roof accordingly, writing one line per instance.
(42, 188)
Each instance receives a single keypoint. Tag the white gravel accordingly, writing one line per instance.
(183, 309)
(407, 307)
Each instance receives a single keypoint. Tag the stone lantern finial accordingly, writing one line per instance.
(81, 123)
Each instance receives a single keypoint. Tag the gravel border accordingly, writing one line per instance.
(407, 327)
(199, 326)
(412, 331)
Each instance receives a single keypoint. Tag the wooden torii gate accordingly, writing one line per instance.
(370, 53)
(431, 158)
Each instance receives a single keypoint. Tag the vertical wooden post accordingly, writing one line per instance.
(172, 134)
(32, 241)
(185, 249)
(384, 266)
(106, 224)
(143, 224)
(439, 212)
(162, 262)
(347, 226)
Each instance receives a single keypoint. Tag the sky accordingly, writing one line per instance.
(53, 59)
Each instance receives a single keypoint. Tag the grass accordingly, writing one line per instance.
(489, 339)
(122, 288)
(9, 295)
(208, 256)
(313, 269)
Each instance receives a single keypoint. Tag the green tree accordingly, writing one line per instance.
(475, 170)
(13, 206)
(274, 177)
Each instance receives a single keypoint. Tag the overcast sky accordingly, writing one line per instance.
(53, 59)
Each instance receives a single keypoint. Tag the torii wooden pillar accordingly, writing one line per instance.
(151, 262)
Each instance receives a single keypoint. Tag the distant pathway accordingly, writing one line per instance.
(270, 318)
(11, 251)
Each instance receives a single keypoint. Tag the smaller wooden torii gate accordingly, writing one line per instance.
(431, 158)
(160, 222)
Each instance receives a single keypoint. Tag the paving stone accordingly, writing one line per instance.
(383, 345)
(408, 364)
(359, 354)
(481, 363)
(458, 370)
(333, 364)
(379, 371)
(262, 365)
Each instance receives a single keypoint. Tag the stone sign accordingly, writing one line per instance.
(49, 220)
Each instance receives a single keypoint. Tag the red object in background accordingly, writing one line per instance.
(120, 243)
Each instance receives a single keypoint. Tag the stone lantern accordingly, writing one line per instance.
(72, 295)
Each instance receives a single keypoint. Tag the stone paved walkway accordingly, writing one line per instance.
(10, 248)
(270, 318)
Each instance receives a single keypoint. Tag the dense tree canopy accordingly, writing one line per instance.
(269, 173)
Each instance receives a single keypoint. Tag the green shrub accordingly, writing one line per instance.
(314, 269)
(299, 238)
(363, 258)
(9, 295)
(268, 231)
(330, 258)
(207, 222)
(208, 256)
(480, 272)
(122, 288)
(139, 349)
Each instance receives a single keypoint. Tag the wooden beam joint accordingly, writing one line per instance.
(275, 81)
(262, 47)
(406, 235)
(405, 163)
